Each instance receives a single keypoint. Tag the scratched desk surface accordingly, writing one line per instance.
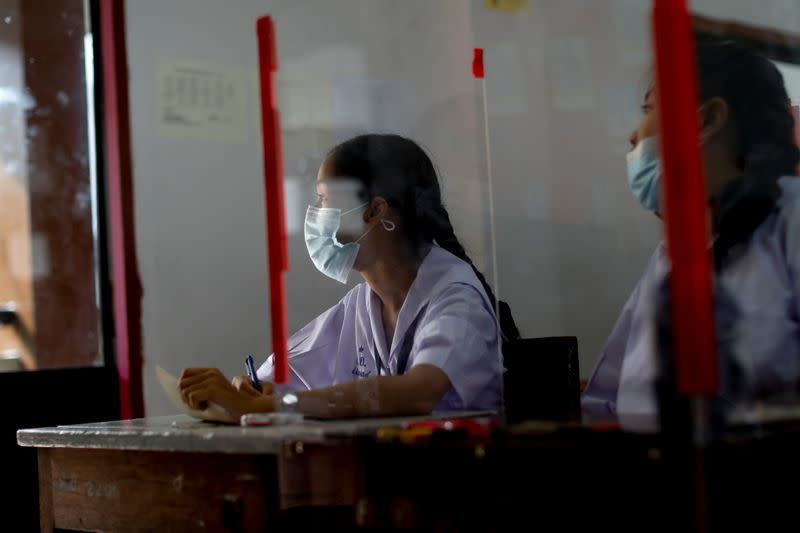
(185, 434)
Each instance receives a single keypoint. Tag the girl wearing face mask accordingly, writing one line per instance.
(750, 159)
(419, 334)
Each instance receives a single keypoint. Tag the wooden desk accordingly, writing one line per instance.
(177, 474)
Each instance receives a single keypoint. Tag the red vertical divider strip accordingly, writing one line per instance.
(685, 208)
(274, 197)
(127, 288)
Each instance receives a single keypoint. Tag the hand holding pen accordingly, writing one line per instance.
(250, 384)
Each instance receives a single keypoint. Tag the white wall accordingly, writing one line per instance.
(564, 78)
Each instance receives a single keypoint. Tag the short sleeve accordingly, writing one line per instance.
(459, 335)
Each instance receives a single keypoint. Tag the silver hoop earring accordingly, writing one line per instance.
(388, 225)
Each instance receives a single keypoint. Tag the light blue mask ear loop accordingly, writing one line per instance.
(388, 225)
(351, 210)
(364, 235)
(366, 232)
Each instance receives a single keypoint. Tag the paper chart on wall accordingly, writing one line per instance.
(200, 101)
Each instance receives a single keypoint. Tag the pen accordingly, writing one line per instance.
(251, 373)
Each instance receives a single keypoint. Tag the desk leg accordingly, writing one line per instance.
(45, 491)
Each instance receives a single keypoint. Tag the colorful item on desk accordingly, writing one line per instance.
(388, 433)
(684, 201)
(473, 428)
(415, 432)
(405, 435)
(273, 190)
(604, 427)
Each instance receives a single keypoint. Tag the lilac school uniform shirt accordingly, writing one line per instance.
(763, 282)
(456, 331)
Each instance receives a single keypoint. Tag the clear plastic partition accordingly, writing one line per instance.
(748, 60)
(465, 243)
(581, 211)
(565, 85)
(402, 167)
(388, 221)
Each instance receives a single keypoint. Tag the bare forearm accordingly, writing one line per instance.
(378, 396)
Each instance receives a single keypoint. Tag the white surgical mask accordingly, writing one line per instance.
(644, 173)
(331, 257)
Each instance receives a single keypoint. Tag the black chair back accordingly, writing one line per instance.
(542, 379)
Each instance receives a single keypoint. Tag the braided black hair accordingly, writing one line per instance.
(399, 170)
(762, 122)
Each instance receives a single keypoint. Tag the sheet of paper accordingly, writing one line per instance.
(214, 413)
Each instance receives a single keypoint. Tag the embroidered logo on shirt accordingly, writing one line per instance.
(360, 369)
